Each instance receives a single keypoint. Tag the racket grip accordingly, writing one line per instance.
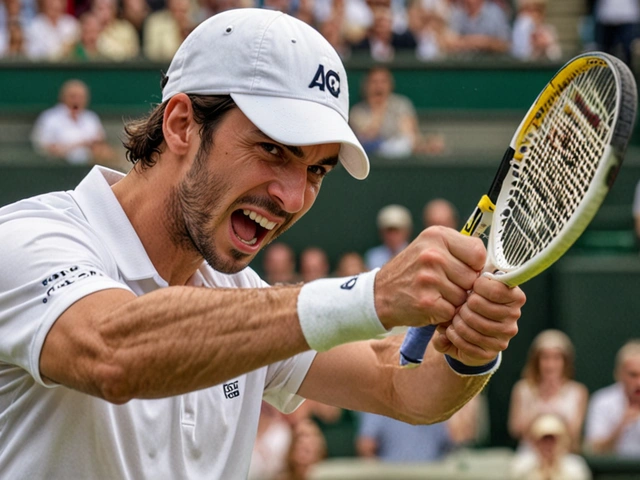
(415, 344)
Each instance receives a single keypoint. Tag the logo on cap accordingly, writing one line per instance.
(330, 81)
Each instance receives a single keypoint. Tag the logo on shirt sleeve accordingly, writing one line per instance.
(66, 277)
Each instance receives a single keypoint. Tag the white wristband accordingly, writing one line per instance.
(333, 311)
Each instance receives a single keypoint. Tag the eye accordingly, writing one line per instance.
(271, 148)
(318, 170)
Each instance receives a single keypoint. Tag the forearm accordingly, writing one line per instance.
(377, 384)
(433, 392)
(174, 340)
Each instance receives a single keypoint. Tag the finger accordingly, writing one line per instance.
(469, 250)
(470, 353)
(494, 341)
(436, 264)
(440, 341)
(497, 292)
(489, 318)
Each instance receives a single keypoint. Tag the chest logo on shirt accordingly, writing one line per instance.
(66, 277)
(231, 390)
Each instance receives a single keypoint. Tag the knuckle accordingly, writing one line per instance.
(427, 278)
(477, 249)
(510, 331)
(431, 257)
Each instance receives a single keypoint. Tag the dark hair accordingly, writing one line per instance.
(144, 137)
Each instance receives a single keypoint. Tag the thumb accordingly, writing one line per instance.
(440, 341)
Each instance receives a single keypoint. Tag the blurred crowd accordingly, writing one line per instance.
(120, 30)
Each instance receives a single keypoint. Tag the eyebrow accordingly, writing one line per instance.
(298, 153)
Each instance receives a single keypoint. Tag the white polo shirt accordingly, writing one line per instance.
(606, 409)
(55, 249)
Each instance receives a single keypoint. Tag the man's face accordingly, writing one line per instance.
(75, 98)
(629, 376)
(246, 191)
(378, 84)
(395, 237)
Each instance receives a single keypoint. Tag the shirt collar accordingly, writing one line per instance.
(105, 214)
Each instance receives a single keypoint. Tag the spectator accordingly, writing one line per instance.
(118, 39)
(136, 13)
(165, 30)
(550, 458)
(349, 264)
(69, 131)
(391, 440)
(533, 38)
(429, 22)
(52, 32)
(479, 26)
(12, 29)
(208, 8)
(314, 264)
(279, 264)
(86, 48)
(308, 448)
(440, 212)
(394, 226)
(547, 386)
(387, 123)
(270, 451)
(16, 45)
(354, 16)
(338, 426)
(616, 26)
(613, 421)
(381, 42)
(335, 30)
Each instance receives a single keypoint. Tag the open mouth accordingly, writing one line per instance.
(250, 227)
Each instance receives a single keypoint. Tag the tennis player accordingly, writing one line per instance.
(116, 363)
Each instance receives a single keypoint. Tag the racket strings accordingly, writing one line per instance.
(551, 180)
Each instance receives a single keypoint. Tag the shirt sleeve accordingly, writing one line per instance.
(601, 420)
(284, 379)
(48, 265)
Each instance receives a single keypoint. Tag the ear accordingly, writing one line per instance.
(177, 123)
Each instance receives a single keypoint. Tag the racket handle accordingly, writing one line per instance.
(415, 344)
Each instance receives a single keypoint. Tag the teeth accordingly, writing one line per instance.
(250, 242)
(260, 220)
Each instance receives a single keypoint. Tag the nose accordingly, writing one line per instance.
(289, 187)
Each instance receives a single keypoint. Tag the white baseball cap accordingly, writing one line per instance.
(394, 216)
(282, 74)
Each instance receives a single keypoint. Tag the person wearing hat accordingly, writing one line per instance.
(550, 458)
(135, 341)
(394, 227)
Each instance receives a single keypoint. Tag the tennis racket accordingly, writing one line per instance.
(560, 164)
